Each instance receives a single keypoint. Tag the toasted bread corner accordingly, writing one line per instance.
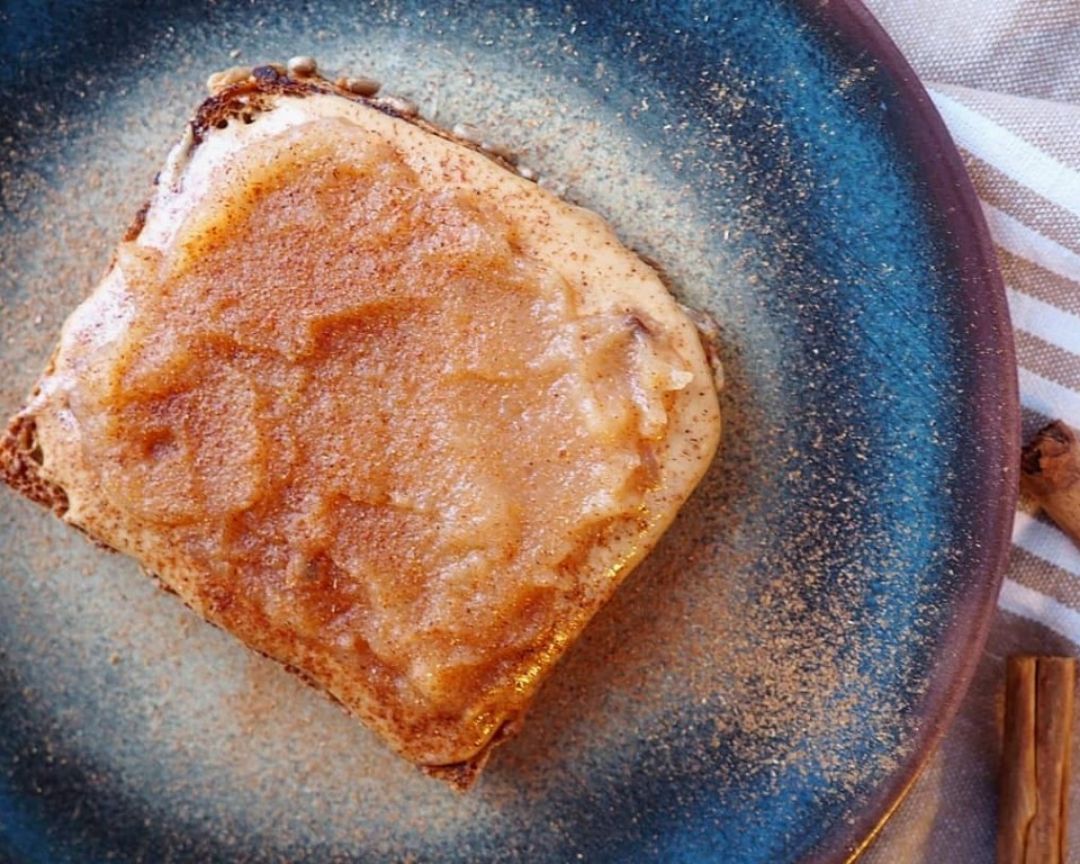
(21, 464)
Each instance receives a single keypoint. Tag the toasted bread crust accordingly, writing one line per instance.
(21, 464)
(246, 98)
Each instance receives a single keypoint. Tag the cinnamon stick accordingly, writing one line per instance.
(1050, 475)
(1033, 803)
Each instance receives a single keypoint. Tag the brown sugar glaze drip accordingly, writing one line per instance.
(374, 421)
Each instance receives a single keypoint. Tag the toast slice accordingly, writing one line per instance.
(376, 404)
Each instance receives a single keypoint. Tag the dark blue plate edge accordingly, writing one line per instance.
(994, 396)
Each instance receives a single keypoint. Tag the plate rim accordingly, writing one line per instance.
(938, 158)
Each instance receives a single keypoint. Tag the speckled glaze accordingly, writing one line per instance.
(766, 685)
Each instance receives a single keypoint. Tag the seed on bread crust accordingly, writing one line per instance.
(227, 77)
(467, 132)
(359, 86)
(399, 105)
(303, 66)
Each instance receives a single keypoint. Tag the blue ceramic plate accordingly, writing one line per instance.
(766, 686)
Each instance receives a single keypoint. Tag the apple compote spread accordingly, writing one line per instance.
(343, 398)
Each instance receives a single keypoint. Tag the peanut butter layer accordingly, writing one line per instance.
(385, 411)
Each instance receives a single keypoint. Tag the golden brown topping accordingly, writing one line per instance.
(373, 421)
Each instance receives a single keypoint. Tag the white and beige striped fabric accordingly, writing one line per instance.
(1005, 77)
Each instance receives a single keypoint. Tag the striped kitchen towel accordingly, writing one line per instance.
(1005, 77)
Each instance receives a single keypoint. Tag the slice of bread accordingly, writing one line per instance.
(369, 399)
